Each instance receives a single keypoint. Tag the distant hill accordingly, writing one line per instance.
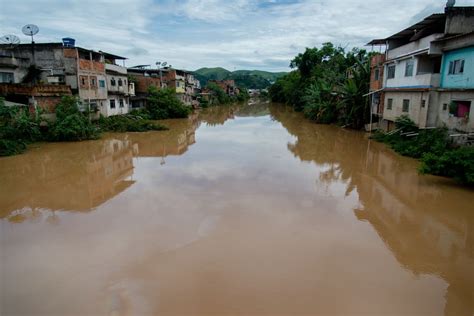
(250, 79)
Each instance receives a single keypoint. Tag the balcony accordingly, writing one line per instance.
(116, 69)
(418, 81)
(9, 62)
(413, 47)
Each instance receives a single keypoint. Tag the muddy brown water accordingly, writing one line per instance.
(241, 210)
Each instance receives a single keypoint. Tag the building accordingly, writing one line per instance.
(376, 92)
(228, 86)
(144, 79)
(119, 89)
(86, 73)
(429, 72)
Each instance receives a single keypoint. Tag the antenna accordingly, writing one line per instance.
(11, 40)
(30, 30)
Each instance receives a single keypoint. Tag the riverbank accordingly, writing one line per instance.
(433, 148)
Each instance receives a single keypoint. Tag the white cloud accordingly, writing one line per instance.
(195, 33)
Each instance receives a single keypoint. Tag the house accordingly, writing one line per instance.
(427, 72)
(119, 89)
(144, 79)
(376, 92)
(228, 86)
(83, 71)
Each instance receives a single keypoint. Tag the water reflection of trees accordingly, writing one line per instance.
(427, 223)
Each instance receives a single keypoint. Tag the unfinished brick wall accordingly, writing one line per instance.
(91, 65)
(142, 83)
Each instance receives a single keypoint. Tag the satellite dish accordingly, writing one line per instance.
(30, 30)
(450, 3)
(164, 64)
(11, 40)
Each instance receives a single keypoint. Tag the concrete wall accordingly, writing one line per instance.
(106, 110)
(464, 80)
(444, 118)
(459, 20)
(416, 112)
(123, 89)
(412, 47)
(416, 81)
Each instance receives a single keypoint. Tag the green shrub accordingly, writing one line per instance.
(71, 124)
(163, 104)
(11, 147)
(17, 129)
(455, 163)
(128, 123)
(74, 127)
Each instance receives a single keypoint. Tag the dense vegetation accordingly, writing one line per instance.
(438, 155)
(18, 127)
(163, 104)
(328, 84)
(248, 79)
(133, 122)
(71, 124)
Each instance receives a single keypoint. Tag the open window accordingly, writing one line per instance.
(460, 108)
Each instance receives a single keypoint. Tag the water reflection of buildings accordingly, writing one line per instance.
(427, 223)
(173, 142)
(71, 177)
(427, 232)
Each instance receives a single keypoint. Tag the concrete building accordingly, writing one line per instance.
(85, 72)
(143, 79)
(119, 89)
(428, 72)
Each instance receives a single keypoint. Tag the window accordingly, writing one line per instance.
(93, 82)
(112, 104)
(6, 77)
(423, 103)
(121, 103)
(456, 67)
(391, 71)
(389, 104)
(376, 74)
(102, 83)
(445, 106)
(124, 82)
(406, 105)
(120, 83)
(409, 68)
(460, 108)
(112, 82)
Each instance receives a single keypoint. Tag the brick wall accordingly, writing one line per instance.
(89, 65)
(144, 82)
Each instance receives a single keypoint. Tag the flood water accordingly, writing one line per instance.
(239, 210)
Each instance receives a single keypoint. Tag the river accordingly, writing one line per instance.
(238, 210)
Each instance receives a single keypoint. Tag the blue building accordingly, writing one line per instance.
(457, 70)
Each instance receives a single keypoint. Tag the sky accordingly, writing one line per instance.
(234, 34)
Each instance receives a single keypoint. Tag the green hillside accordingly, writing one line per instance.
(250, 79)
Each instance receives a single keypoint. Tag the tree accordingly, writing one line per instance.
(163, 104)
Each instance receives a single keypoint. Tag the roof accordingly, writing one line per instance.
(431, 24)
(60, 44)
(381, 41)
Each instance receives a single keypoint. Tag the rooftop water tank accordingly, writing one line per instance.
(69, 42)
